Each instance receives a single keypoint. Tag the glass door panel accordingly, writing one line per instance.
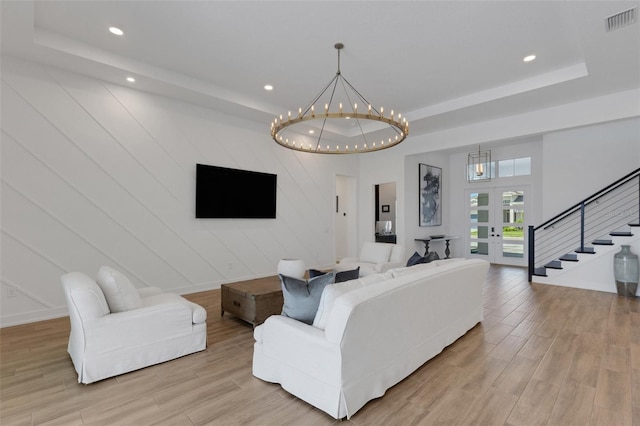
(512, 224)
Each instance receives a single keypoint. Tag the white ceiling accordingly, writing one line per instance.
(440, 63)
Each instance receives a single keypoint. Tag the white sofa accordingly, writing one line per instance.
(150, 326)
(374, 258)
(378, 330)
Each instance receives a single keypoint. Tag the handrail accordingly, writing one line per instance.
(588, 200)
(580, 206)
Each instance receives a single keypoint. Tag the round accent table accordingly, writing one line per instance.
(292, 268)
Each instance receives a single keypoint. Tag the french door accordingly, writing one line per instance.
(497, 224)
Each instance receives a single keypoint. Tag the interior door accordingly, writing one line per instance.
(497, 224)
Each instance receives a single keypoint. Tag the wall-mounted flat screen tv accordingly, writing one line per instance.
(223, 193)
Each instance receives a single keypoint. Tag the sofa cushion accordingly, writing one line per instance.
(301, 297)
(121, 295)
(375, 252)
(397, 253)
(352, 274)
(332, 292)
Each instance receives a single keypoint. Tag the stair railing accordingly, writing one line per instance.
(585, 220)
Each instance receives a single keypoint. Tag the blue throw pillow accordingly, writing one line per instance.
(301, 298)
(353, 274)
(315, 273)
(415, 259)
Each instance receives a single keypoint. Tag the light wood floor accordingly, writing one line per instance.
(543, 355)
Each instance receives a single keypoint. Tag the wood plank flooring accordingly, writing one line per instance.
(543, 355)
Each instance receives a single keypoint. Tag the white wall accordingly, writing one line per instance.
(98, 174)
(346, 217)
(413, 229)
(578, 162)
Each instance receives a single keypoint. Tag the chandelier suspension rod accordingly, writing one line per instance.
(324, 122)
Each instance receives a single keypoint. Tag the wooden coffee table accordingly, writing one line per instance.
(252, 301)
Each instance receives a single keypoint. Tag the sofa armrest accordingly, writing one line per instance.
(138, 327)
(300, 346)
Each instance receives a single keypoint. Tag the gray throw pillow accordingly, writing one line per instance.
(301, 298)
(431, 257)
(343, 276)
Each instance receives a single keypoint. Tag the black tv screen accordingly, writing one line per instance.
(223, 193)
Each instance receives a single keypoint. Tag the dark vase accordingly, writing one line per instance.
(625, 269)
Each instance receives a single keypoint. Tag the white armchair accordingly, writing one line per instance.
(142, 328)
(374, 258)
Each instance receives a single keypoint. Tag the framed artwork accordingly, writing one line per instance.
(385, 208)
(429, 185)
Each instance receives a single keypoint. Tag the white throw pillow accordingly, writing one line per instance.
(400, 272)
(332, 292)
(121, 295)
(375, 252)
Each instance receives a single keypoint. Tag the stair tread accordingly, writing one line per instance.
(621, 234)
(586, 250)
(554, 264)
(569, 257)
(602, 242)
(540, 272)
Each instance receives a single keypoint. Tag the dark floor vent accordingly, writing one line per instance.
(621, 19)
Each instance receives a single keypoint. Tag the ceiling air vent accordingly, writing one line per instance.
(621, 19)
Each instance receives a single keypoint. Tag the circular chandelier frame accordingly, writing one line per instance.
(397, 123)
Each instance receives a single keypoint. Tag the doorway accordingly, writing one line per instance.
(497, 224)
(345, 225)
(385, 212)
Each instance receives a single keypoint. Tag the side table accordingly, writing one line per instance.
(446, 238)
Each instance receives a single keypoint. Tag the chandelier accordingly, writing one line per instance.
(342, 123)
(479, 166)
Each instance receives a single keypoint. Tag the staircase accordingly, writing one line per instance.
(589, 232)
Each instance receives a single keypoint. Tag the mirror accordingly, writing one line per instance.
(385, 208)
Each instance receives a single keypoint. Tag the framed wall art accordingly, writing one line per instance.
(429, 188)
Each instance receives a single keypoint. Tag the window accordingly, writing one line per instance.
(514, 167)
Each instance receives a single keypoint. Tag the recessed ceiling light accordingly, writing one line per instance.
(268, 87)
(131, 79)
(116, 31)
(311, 131)
(529, 58)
